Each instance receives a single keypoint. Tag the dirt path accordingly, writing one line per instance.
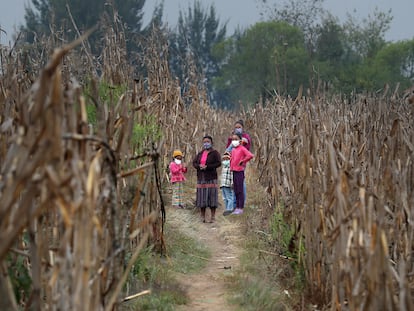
(207, 289)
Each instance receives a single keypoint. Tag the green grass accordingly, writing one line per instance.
(255, 285)
(108, 94)
(252, 294)
(263, 276)
(289, 244)
(187, 255)
(20, 276)
(159, 273)
(162, 301)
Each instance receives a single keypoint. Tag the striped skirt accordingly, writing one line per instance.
(177, 194)
(207, 193)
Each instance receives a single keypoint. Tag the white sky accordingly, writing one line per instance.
(244, 13)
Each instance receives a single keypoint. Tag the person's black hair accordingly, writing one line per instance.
(238, 135)
(239, 122)
(209, 137)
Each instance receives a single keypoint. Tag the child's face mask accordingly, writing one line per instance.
(177, 161)
(226, 162)
(235, 143)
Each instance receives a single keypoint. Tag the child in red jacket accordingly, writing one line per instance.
(177, 171)
(239, 158)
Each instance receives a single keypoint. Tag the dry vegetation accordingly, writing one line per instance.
(78, 196)
(342, 174)
(82, 168)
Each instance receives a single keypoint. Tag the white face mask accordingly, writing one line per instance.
(177, 161)
(235, 143)
(226, 162)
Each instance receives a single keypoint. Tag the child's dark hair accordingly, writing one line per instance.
(238, 135)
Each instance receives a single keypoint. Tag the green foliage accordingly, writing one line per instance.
(107, 94)
(368, 37)
(330, 43)
(276, 56)
(291, 244)
(149, 130)
(18, 270)
(356, 58)
(150, 271)
(254, 286)
(145, 133)
(19, 276)
(141, 269)
(391, 65)
(281, 232)
(164, 301)
(394, 63)
(188, 254)
(198, 32)
(252, 294)
(303, 14)
(91, 113)
(268, 57)
(46, 15)
(110, 93)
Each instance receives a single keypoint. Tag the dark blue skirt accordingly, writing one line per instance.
(207, 193)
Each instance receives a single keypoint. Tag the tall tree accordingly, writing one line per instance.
(329, 53)
(65, 15)
(329, 42)
(362, 41)
(367, 37)
(269, 57)
(345, 55)
(393, 64)
(197, 33)
(303, 14)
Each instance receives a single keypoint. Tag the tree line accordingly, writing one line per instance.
(298, 45)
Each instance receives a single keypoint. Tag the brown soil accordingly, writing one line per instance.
(207, 289)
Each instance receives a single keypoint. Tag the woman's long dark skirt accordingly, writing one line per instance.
(207, 193)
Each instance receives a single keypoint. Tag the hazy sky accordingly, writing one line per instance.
(244, 13)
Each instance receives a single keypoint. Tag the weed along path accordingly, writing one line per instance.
(207, 289)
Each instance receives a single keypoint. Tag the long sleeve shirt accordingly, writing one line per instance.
(239, 155)
(213, 162)
(177, 172)
(226, 176)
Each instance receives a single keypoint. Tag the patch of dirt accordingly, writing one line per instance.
(207, 289)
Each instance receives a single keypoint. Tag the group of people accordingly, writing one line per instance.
(233, 162)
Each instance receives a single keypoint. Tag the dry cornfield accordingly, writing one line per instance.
(79, 200)
(342, 174)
